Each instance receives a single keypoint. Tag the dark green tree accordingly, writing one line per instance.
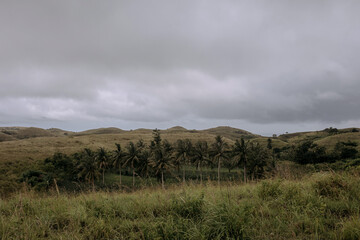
(183, 153)
(309, 152)
(161, 156)
(144, 165)
(219, 152)
(118, 160)
(36, 179)
(59, 167)
(258, 159)
(269, 143)
(240, 152)
(345, 150)
(131, 158)
(201, 156)
(88, 167)
(103, 160)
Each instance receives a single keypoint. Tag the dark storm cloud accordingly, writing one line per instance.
(256, 62)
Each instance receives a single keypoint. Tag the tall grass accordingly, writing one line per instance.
(324, 206)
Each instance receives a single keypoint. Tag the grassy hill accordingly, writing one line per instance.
(110, 130)
(6, 137)
(24, 144)
(231, 133)
(14, 133)
(22, 147)
(322, 138)
(35, 143)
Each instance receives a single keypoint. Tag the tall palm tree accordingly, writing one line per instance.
(161, 158)
(201, 155)
(219, 152)
(183, 152)
(118, 159)
(240, 152)
(88, 167)
(132, 157)
(145, 163)
(103, 160)
(258, 158)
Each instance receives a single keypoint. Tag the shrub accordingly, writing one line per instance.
(331, 185)
(269, 189)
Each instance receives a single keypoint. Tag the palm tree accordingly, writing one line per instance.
(219, 152)
(161, 157)
(118, 159)
(132, 157)
(258, 158)
(240, 152)
(145, 163)
(103, 159)
(183, 152)
(88, 167)
(201, 155)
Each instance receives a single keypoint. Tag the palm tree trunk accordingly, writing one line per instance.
(219, 171)
(120, 175)
(162, 179)
(184, 180)
(184, 174)
(56, 187)
(103, 175)
(133, 173)
(93, 184)
(201, 180)
(244, 171)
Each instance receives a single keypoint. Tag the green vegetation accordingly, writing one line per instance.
(157, 160)
(322, 206)
(179, 184)
(21, 158)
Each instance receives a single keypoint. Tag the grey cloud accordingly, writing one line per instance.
(148, 62)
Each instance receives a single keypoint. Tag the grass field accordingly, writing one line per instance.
(322, 206)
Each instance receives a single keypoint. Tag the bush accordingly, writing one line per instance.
(332, 186)
(269, 189)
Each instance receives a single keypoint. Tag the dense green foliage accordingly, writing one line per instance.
(163, 160)
(159, 160)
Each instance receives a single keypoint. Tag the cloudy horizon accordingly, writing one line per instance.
(262, 66)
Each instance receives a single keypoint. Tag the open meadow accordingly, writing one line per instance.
(320, 206)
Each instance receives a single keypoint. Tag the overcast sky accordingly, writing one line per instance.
(259, 65)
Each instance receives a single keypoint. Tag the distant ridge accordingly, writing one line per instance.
(6, 137)
(142, 130)
(59, 132)
(230, 132)
(109, 130)
(177, 128)
(14, 133)
(32, 132)
(18, 133)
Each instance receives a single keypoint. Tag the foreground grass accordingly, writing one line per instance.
(324, 206)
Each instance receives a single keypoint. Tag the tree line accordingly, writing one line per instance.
(162, 160)
(159, 159)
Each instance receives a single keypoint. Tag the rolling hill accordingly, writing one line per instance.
(21, 147)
